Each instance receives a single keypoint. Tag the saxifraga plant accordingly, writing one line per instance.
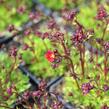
(89, 72)
(66, 47)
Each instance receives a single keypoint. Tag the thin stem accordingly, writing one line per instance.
(45, 100)
(11, 70)
(105, 65)
(71, 63)
(64, 47)
(104, 31)
(33, 49)
(73, 73)
(39, 104)
(35, 55)
(82, 62)
(34, 52)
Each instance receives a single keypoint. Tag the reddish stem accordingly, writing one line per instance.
(82, 55)
(73, 72)
(105, 65)
(71, 64)
(104, 31)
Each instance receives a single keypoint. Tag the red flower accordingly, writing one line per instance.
(50, 56)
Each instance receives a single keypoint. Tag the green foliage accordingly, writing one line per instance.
(8, 11)
(54, 4)
(8, 78)
(40, 67)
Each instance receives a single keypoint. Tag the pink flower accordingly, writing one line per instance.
(86, 87)
(25, 46)
(9, 91)
(37, 93)
(13, 51)
(52, 24)
(101, 14)
(69, 15)
(21, 9)
(79, 36)
(11, 27)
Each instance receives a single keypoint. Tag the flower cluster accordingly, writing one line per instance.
(21, 9)
(13, 51)
(101, 14)
(27, 32)
(69, 15)
(106, 87)
(37, 93)
(57, 36)
(106, 46)
(26, 95)
(10, 90)
(42, 85)
(56, 105)
(79, 36)
(11, 27)
(42, 35)
(86, 87)
(25, 46)
(34, 15)
(52, 24)
(41, 96)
